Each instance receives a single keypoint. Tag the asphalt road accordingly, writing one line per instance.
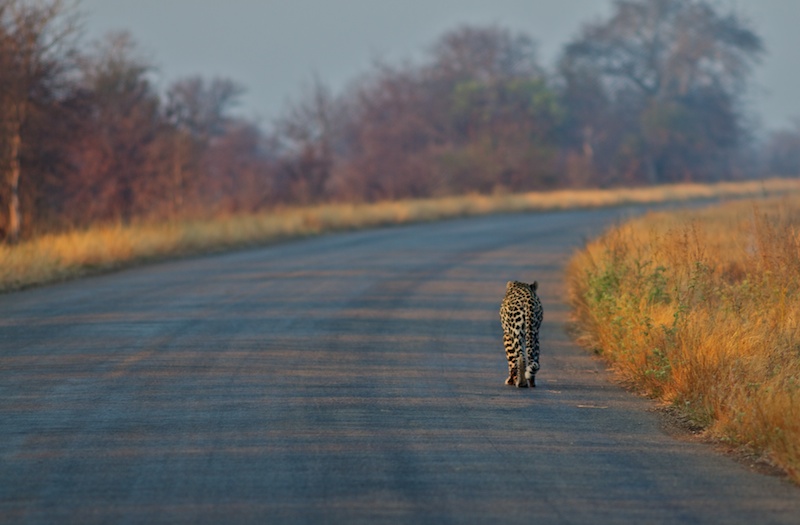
(354, 378)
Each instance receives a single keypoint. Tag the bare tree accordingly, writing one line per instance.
(198, 110)
(394, 130)
(200, 106)
(782, 151)
(116, 159)
(36, 47)
(309, 136)
(485, 53)
(240, 173)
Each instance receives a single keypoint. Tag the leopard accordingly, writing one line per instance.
(521, 315)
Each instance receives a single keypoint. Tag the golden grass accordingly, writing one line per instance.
(50, 258)
(702, 310)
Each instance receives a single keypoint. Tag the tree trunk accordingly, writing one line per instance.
(14, 213)
(651, 172)
(178, 156)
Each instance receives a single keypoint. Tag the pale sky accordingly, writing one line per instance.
(275, 47)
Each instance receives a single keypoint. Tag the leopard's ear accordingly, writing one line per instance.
(509, 284)
(534, 285)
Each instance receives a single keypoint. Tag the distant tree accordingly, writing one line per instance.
(198, 110)
(202, 107)
(477, 115)
(782, 151)
(673, 73)
(484, 54)
(309, 139)
(503, 116)
(36, 50)
(395, 126)
(116, 158)
(240, 171)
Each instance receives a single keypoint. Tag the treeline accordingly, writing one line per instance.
(651, 95)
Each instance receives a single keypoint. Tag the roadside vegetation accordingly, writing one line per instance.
(701, 309)
(58, 256)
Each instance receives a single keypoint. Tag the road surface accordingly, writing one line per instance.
(353, 378)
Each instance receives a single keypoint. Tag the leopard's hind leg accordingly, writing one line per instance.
(533, 349)
(517, 360)
(511, 344)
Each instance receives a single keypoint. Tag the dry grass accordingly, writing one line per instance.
(702, 310)
(51, 258)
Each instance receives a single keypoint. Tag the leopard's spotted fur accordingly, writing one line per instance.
(521, 315)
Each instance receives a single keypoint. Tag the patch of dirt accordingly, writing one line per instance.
(679, 425)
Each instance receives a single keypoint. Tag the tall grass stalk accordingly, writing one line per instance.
(50, 258)
(701, 309)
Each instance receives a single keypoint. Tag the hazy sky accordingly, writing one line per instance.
(274, 47)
